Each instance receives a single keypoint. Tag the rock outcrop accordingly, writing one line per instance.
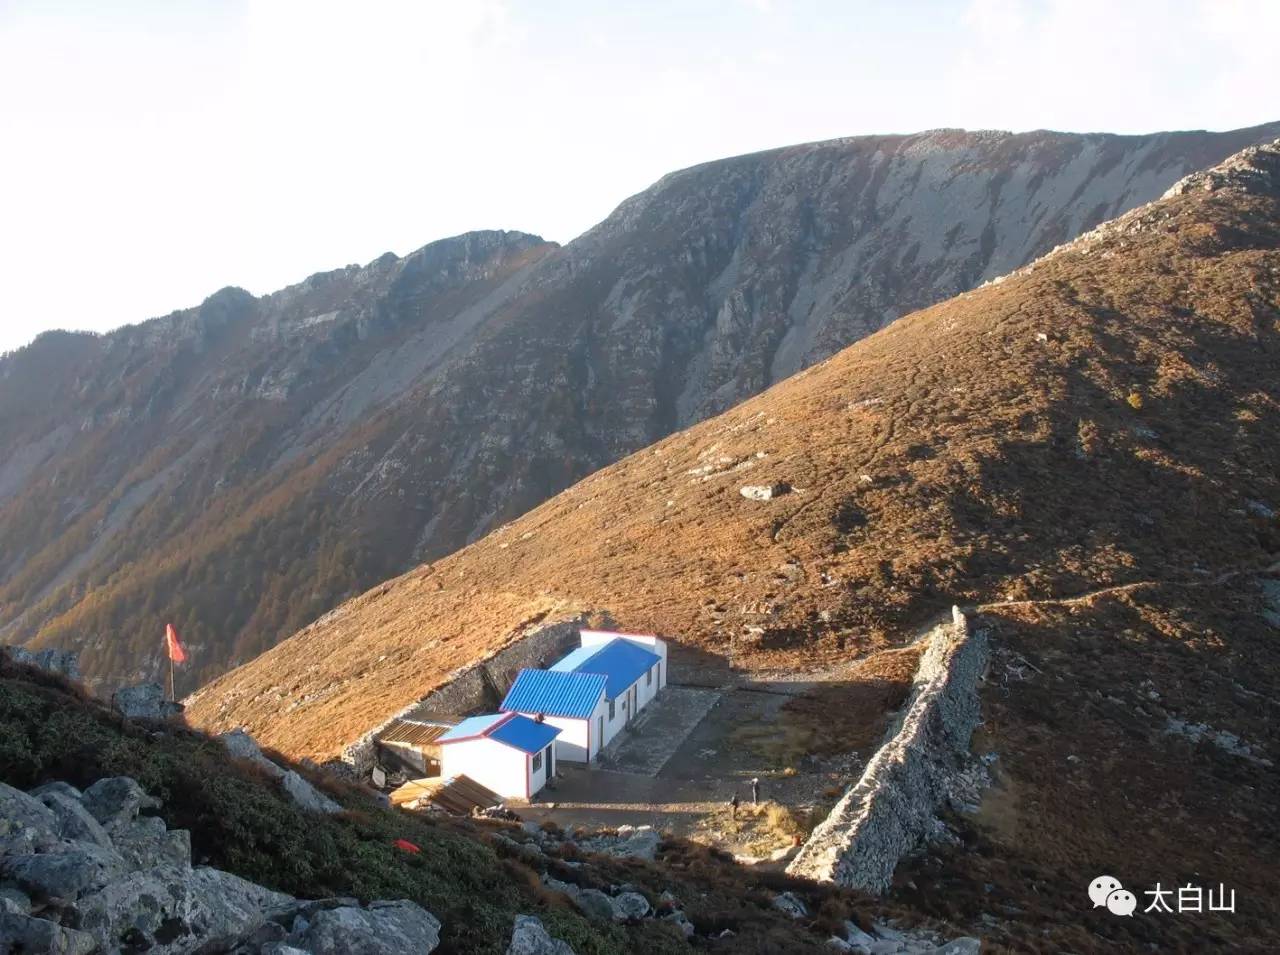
(144, 701)
(241, 745)
(86, 874)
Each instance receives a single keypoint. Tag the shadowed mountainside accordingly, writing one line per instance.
(242, 467)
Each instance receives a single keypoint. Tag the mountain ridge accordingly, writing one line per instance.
(327, 436)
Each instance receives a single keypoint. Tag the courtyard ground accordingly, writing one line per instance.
(679, 765)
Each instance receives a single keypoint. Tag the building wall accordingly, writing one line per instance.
(492, 764)
(571, 744)
(538, 778)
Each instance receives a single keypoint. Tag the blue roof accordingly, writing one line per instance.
(523, 733)
(471, 726)
(555, 693)
(620, 661)
(509, 728)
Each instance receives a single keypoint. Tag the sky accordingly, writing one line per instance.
(154, 151)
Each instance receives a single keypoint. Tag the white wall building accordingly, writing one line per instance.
(594, 692)
(508, 753)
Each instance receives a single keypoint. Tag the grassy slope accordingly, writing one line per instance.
(1102, 417)
(241, 821)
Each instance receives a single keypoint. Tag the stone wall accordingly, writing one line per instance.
(477, 686)
(890, 809)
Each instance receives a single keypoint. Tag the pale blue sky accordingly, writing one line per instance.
(154, 152)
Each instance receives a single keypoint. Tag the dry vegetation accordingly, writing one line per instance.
(981, 449)
(1089, 780)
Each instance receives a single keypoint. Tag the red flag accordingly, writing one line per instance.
(176, 653)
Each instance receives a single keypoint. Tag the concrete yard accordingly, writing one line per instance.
(678, 766)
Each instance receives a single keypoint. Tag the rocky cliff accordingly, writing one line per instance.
(241, 467)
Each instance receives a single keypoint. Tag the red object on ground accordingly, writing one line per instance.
(176, 653)
(406, 845)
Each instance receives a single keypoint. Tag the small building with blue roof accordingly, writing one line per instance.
(592, 693)
(508, 753)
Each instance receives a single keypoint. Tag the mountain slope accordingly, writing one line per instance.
(1087, 452)
(242, 467)
(1104, 416)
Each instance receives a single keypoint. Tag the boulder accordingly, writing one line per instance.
(57, 786)
(223, 907)
(960, 946)
(681, 921)
(22, 933)
(14, 901)
(26, 824)
(67, 872)
(143, 905)
(629, 906)
(595, 904)
(764, 492)
(74, 821)
(116, 801)
(243, 746)
(144, 701)
(306, 795)
(792, 904)
(529, 937)
(384, 928)
(147, 841)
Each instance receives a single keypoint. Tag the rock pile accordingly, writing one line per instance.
(85, 873)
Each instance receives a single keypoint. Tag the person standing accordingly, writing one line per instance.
(755, 790)
(733, 806)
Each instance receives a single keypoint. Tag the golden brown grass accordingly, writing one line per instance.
(979, 450)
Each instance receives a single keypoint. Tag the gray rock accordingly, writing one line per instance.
(306, 795)
(792, 904)
(140, 903)
(628, 906)
(64, 663)
(595, 904)
(147, 842)
(144, 701)
(22, 934)
(529, 937)
(57, 786)
(839, 944)
(14, 901)
(681, 921)
(26, 824)
(857, 937)
(384, 928)
(960, 946)
(223, 907)
(74, 821)
(764, 492)
(243, 746)
(116, 801)
(66, 872)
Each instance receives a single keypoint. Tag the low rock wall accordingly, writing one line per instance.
(477, 686)
(891, 808)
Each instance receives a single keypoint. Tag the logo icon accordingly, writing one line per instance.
(1106, 892)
